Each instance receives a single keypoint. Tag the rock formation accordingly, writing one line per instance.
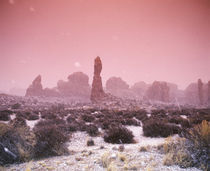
(77, 85)
(208, 92)
(114, 83)
(139, 89)
(97, 92)
(118, 87)
(35, 89)
(200, 91)
(158, 91)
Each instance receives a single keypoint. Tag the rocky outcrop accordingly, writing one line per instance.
(139, 89)
(197, 93)
(77, 85)
(200, 91)
(158, 91)
(35, 89)
(191, 94)
(97, 92)
(118, 87)
(208, 85)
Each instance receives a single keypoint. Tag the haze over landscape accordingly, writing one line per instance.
(138, 40)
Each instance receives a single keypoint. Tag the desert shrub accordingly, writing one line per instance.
(198, 139)
(131, 122)
(88, 118)
(19, 141)
(70, 119)
(192, 150)
(128, 114)
(4, 115)
(50, 141)
(73, 127)
(198, 118)
(118, 135)
(90, 142)
(176, 153)
(16, 106)
(48, 115)
(82, 126)
(179, 120)
(92, 130)
(158, 112)
(32, 116)
(141, 116)
(59, 123)
(105, 124)
(158, 128)
(18, 122)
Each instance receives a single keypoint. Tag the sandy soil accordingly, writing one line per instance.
(90, 158)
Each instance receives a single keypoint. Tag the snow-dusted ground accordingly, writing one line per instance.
(89, 158)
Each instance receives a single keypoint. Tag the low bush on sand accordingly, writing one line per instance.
(118, 135)
(159, 128)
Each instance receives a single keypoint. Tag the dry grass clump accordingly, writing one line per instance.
(191, 151)
(144, 148)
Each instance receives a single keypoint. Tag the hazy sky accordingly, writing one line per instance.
(138, 40)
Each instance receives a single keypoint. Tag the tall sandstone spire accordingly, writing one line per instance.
(97, 92)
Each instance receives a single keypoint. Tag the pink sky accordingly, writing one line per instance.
(138, 40)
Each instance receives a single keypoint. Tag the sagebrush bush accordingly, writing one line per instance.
(131, 121)
(118, 135)
(92, 130)
(50, 141)
(73, 127)
(16, 106)
(88, 118)
(70, 119)
(4, 116)
(179, 120)
(32, 117)
(158, 128)
(18, 122)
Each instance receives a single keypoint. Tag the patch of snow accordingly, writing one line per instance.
(184, 116)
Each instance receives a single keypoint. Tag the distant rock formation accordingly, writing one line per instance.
(158, 91)
(77, 85)
(118, 87)
(197, 93)
(200, 91)
(208, 85)
(35, 89)
(97, 92)
(139, 89)
(191, 94)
